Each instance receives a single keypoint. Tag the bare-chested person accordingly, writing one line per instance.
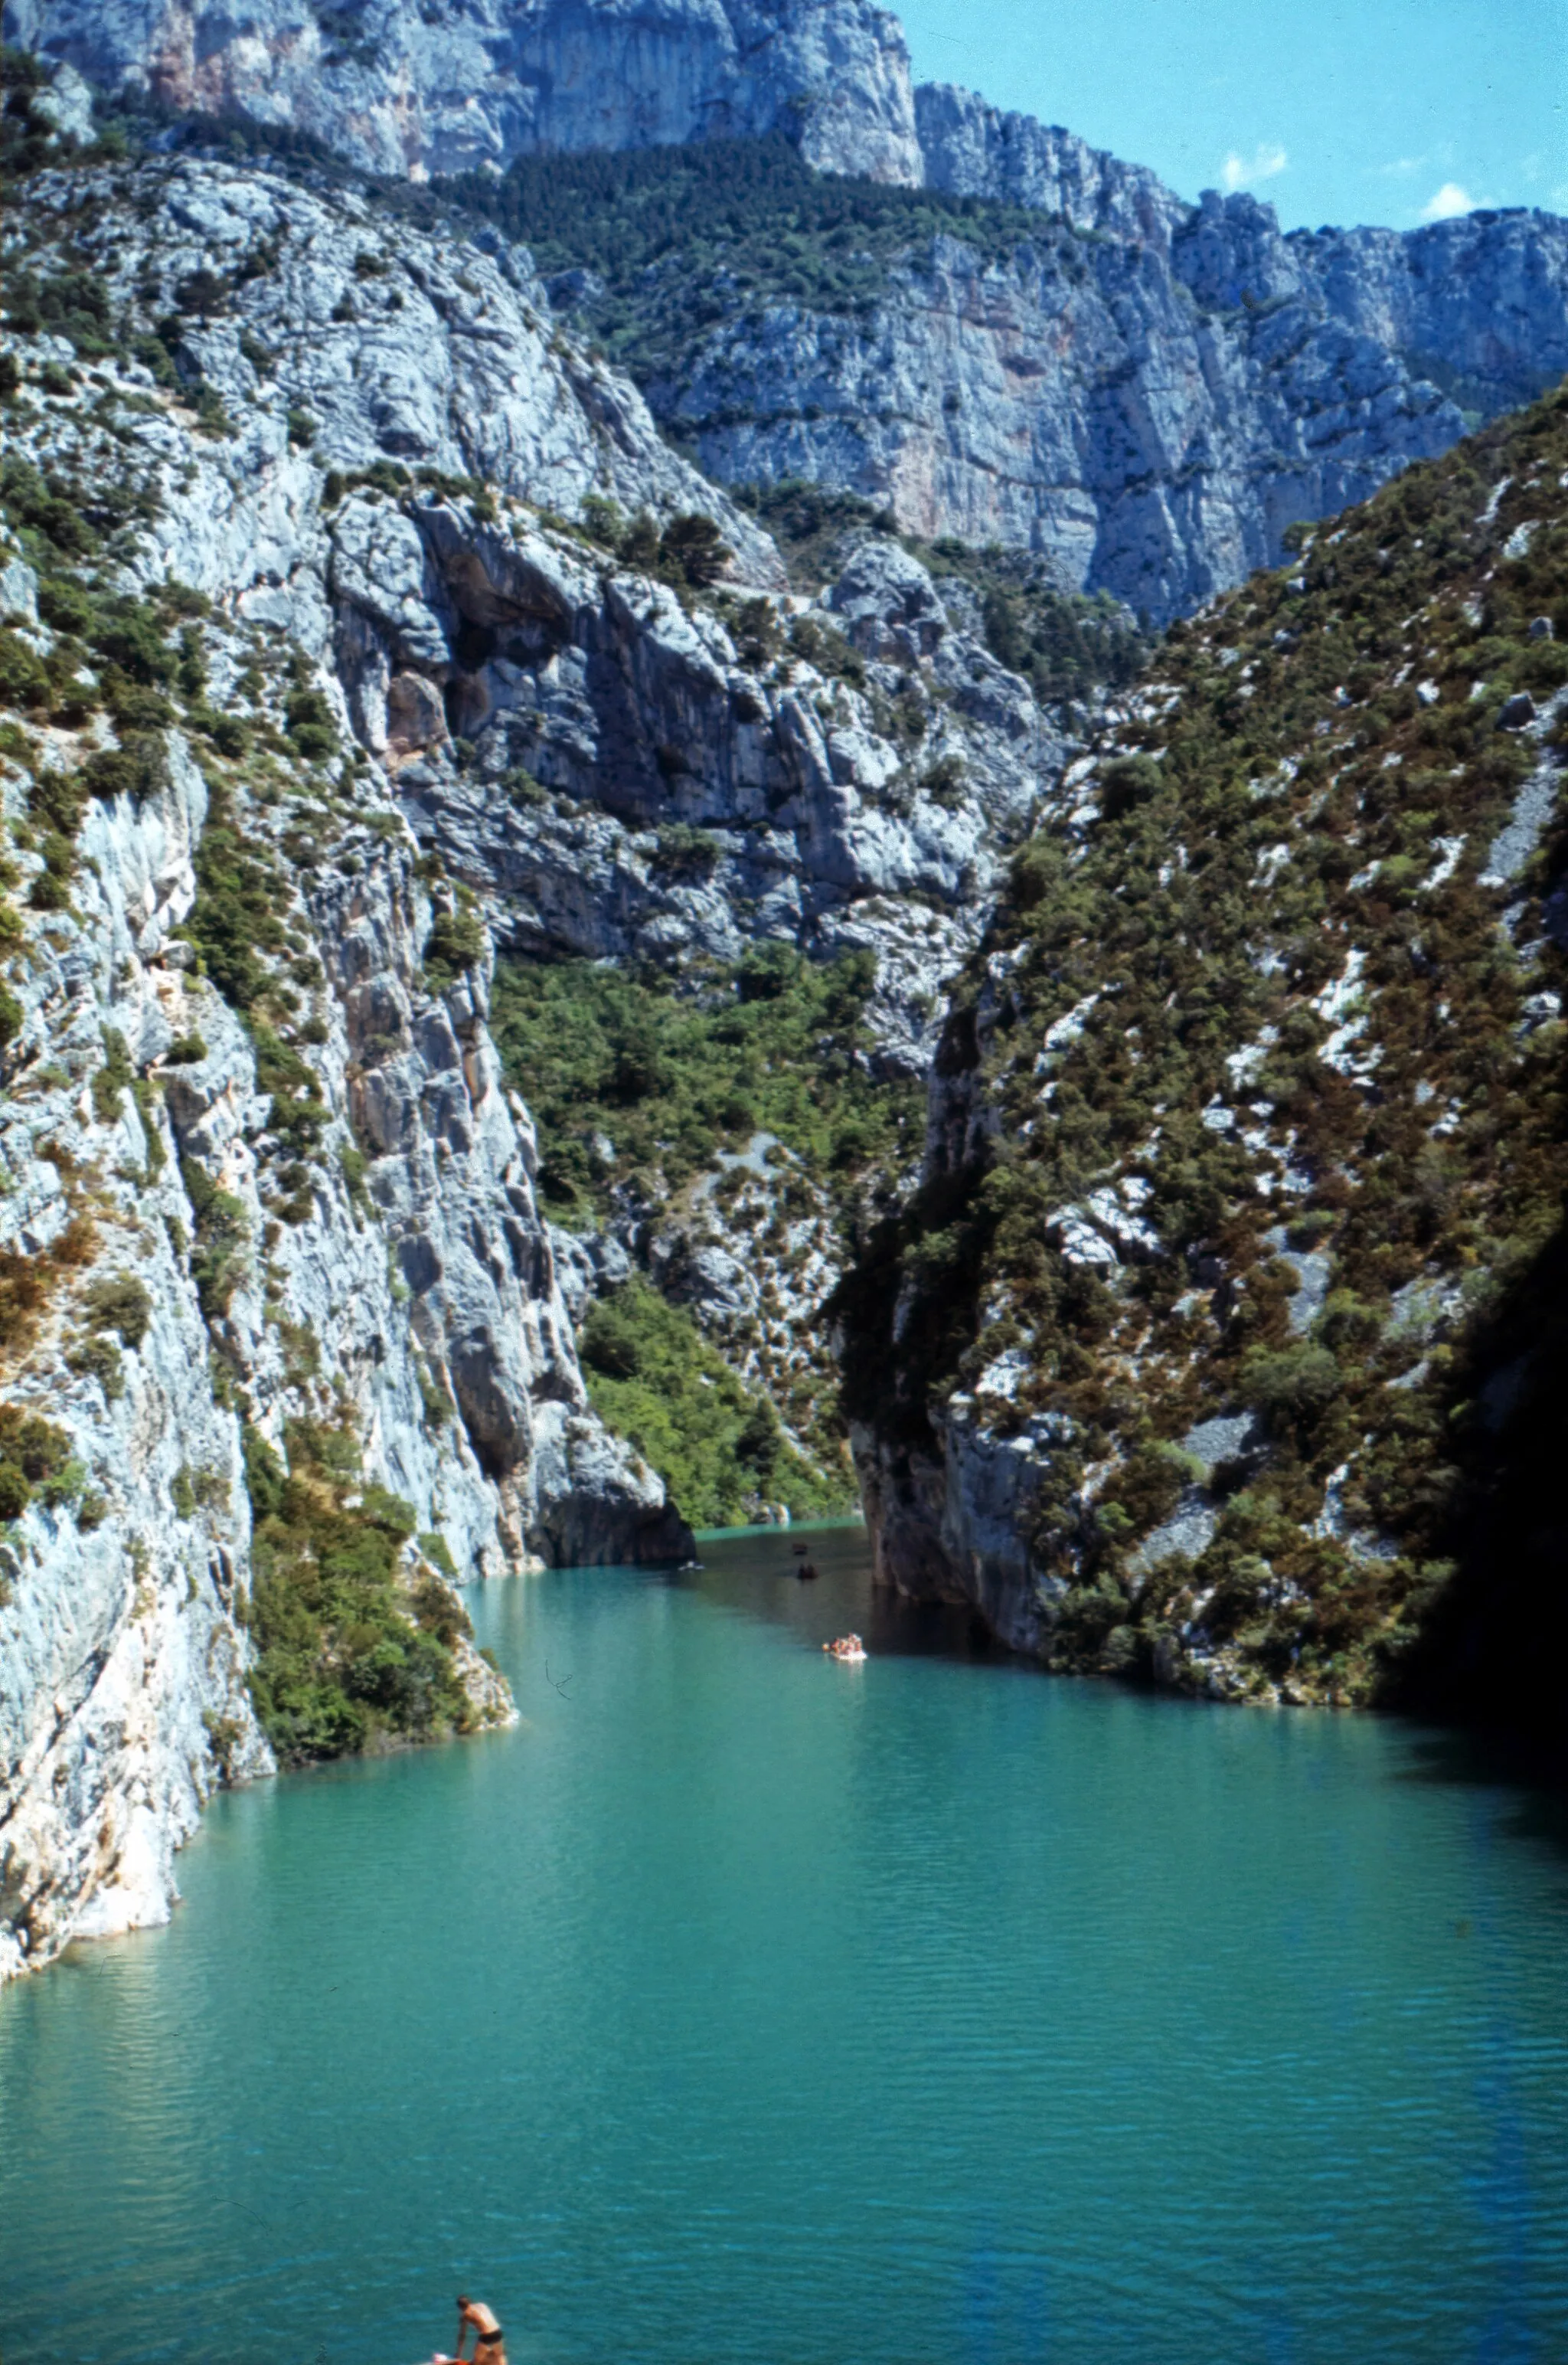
(488, 2335)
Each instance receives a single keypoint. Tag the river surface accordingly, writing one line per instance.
(740, 2005)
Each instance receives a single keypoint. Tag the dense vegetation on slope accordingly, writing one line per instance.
(347, 1653)
(716, 1443)
(1273, 1030)
(638, 1079)
(683, 237)
(642, 1085)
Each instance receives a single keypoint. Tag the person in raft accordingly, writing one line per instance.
(488, 2335)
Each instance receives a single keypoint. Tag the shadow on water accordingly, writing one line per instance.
(1529, 1772)
(758, 1572)
(755, 1573)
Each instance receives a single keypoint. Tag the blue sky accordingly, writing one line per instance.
(1380, 111)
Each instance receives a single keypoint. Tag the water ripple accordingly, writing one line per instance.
(745, 2007)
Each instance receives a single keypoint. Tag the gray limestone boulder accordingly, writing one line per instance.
(888, 604)
(584, 1481)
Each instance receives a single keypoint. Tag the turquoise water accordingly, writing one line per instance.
(743, 2006)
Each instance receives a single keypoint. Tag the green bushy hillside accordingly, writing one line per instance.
(717, 1444)
(670, 1073)
(1273, 1027)
(641, 1089)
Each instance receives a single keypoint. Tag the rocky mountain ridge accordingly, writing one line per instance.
(1145, 394)
(1145, 391)
(403, 90)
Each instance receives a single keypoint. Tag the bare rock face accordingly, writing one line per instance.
(261, 1177)
(403, 90)
(592, 714)
(976, 151)
(1149, 393)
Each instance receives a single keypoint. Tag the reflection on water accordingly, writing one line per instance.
(741, 2005)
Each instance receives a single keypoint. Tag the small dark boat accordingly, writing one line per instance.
(807, 1568)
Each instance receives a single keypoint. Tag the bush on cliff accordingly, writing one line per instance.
(345, 1653)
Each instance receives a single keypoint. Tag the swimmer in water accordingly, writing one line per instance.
(488, 2335)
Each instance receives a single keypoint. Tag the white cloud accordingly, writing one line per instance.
(1448, 201)
(1267, 159)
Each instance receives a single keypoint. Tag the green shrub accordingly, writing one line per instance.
(24, 681)
(456, 942)
(98, 1358)
(235, 918)
(438, 1552)
(35, 1461)
(692, 551)
(130, 633)
(219, 1261)
(609, 1342)
(944, 781)
(111, 1080)
(688, 853)
(343, 1651)
(120, 1302)
(716, 1444)
(437, 1403)
(139, 769)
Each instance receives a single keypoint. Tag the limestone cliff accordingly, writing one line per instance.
(1147, 394)
(408, 90)
(1145, 391)
(272, 1269)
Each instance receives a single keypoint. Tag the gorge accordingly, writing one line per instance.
(590, 775)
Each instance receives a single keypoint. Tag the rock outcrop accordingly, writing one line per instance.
(405, 90)
(833, 774)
